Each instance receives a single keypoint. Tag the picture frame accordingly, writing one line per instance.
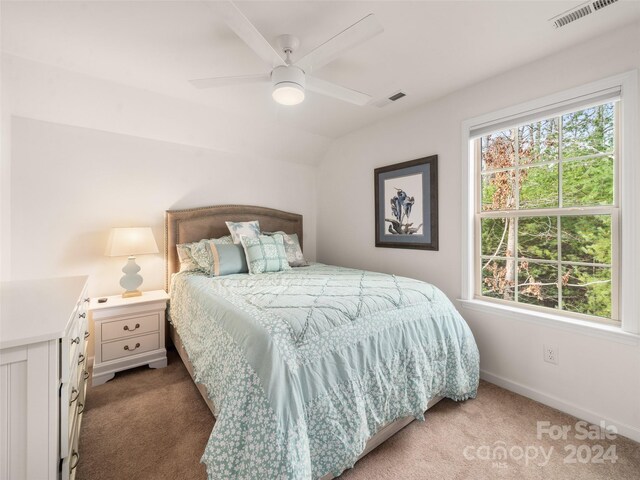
(406, 204)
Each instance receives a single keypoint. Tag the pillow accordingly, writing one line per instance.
(187, 262)
(292, 248)
(228, 259)
(197, 255)
(265, 253)
(248, 229)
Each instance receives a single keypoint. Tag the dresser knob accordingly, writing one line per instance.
(126, 327)
(80, 359)
(86, 335)
(126, 347)
(85, 375)
(72, 465)
(76, 393)
(80, 408)
(82, 315)
(75, 340)
(87, 299)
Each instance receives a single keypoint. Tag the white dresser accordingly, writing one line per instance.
(43, 373)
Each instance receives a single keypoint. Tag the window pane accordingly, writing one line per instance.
(538, 238)
(498, 278)
(497, 190)
(498, 150)
(495, 236)
(588, 131)
(538, 142)
(587, 182)
(587, 290)
(586, 238)
(538, 284)
(539, 187)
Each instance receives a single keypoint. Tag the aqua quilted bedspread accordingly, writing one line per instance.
(304, 366)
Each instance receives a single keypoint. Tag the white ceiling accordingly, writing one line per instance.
(428, 48)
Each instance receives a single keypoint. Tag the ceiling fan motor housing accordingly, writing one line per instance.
(287, 75)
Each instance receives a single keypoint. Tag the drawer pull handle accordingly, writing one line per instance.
(87, 299)
(126, 327)
(80, 408)
(85, 374)
(75, 340)
(126, 347)
(74, 392)
(82, 315)
(73, 465)
(80, 359)
(86, 335)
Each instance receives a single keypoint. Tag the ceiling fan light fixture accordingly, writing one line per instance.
(287, 93)
(288, 85)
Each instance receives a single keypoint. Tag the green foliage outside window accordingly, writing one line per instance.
(562, 260)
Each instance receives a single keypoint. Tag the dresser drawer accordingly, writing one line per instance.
(70, 462)
(73, 343)
(130, 346)
(72, 394)
(130, 326)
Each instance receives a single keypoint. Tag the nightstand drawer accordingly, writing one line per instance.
(130, 326)
(130, 346)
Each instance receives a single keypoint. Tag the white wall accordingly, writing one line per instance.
(596, 378)
(70, 185)
(88, 155)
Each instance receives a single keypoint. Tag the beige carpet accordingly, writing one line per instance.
(153, 424)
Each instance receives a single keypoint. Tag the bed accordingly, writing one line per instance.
(309, 369)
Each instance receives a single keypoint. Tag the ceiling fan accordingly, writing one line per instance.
(290, 78)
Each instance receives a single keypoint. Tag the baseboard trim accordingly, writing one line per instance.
(552, 401)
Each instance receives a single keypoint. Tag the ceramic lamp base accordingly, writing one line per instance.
(131, 280)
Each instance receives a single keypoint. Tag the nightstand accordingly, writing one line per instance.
(129, 332)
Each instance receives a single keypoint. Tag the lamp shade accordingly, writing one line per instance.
(131, 241)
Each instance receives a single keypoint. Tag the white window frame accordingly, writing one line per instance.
(628, 199)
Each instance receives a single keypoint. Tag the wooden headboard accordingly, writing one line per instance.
(195, 224)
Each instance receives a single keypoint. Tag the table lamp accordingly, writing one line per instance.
(130, 242)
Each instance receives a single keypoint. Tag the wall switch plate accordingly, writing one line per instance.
(550, 353)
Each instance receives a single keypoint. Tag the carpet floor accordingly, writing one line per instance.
(153, 424)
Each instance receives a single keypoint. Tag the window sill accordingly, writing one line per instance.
(583, 327)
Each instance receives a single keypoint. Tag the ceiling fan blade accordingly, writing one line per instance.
(242, 27)
(224, 81)
(357, 33)
(337, 91)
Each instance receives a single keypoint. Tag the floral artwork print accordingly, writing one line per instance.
(406, 204)
(401, 205)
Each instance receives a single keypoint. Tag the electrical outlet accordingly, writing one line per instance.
(550, 354)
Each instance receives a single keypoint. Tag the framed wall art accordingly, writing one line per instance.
(407, 204)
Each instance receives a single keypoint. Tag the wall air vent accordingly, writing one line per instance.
(394, 97)
(580, 11)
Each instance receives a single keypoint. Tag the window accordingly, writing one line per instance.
(551, 210)
(546, 212)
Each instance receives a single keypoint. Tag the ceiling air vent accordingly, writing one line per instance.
(397, 96)
(390, 99)
(580, 11)
(598, 4)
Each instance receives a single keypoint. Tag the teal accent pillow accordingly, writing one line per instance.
(265, 253)
(247, 229)
(228, 259)
(292, 248)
